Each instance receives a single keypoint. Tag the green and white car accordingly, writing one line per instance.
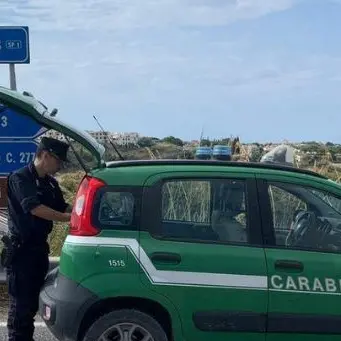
(190, 250)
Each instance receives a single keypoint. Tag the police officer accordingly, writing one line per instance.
(35, 201)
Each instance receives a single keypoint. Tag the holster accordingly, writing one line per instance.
(8, 252)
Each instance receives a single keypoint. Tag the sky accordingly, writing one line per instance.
(263, 70)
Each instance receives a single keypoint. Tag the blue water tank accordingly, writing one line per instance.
(203, 153)
(221, 152)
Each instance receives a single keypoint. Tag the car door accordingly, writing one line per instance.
(200, 247)
(29, 107)
(304, 267)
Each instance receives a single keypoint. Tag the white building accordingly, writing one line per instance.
(121, 139)
(100, 136)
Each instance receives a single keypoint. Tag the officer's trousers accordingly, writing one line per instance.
(25, 279)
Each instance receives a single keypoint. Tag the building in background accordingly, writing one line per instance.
(126, 139)
(102, 137)
(121, 139)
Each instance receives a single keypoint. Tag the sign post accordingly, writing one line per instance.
(14, 49)
(17, 132)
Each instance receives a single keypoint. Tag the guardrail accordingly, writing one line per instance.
(54, 262)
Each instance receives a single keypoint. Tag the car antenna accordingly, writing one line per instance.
(107, 135)
(79, 159)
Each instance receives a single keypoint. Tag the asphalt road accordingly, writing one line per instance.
(41, 332)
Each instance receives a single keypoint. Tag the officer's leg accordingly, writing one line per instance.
(20, 321)
(42, 266)
(24, 287)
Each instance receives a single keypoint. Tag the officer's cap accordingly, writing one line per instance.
(56, 147)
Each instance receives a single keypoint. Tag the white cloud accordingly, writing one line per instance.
(106, 49)
(111, 15)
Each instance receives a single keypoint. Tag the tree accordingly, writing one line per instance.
(205, 143)
(146, 142)
(173, 140)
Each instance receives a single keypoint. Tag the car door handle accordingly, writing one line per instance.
(166, 257)
(289, 265)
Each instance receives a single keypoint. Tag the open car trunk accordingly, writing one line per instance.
(27, 105)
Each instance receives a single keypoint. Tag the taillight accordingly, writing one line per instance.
(80, 224)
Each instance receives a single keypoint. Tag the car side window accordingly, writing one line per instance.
(115, 209)
(305, 218)
(284, 206)
(211, 210)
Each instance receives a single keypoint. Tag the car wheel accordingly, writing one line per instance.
(126, 325)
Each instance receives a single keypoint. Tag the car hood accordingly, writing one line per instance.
(27, 105)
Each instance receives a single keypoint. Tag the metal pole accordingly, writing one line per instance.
(12, 78)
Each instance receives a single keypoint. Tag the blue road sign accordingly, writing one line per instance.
(14, 45)
(17, 126)
(16, 154)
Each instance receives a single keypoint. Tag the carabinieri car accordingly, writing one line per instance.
(162, 250)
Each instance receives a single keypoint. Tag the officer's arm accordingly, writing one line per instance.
(25, 191)
(48, 213)
(62, 205)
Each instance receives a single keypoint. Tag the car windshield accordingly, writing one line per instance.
(327, 204)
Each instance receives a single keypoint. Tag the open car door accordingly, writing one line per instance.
(27, 105)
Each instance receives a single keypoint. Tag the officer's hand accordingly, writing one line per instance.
(67, 217)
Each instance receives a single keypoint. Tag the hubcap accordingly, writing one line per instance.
(126, 332)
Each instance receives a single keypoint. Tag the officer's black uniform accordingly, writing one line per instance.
(26, 274)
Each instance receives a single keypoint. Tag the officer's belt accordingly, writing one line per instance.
(17, 242)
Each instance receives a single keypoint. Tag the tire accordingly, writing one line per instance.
(126, 316)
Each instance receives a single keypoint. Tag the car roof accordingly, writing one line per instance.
(135, 172)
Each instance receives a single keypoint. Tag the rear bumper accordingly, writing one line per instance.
(63, 304)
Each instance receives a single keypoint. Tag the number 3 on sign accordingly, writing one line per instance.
(117, 263)
(3, 121)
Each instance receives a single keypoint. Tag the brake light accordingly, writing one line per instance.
(80, 224)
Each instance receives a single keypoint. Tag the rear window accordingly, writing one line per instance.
(116, 209)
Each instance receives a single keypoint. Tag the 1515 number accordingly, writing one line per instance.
(116, 263)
